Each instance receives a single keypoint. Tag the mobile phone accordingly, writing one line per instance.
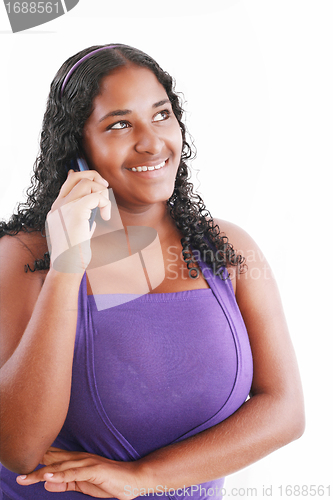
(79, 165)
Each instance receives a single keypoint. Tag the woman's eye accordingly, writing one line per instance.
(162, 115)
(118, 126)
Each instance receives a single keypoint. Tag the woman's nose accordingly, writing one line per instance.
(148, 141)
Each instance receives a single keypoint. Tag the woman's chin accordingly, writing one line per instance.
(161, 196)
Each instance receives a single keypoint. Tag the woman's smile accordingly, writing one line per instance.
(149, 168)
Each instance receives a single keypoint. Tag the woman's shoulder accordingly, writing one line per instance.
(22, 249)
(255, 267)
(237, 236)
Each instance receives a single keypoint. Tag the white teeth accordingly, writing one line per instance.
(144, 168)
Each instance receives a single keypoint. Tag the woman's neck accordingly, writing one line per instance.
(156, 216)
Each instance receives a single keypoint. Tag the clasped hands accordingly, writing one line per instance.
(87, 473)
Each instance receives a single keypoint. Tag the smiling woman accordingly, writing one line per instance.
(133, 129)
(192, 380)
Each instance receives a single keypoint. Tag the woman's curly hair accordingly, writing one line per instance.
(61, 139)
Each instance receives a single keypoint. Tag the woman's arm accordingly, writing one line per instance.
(38, 322)
(271, 418)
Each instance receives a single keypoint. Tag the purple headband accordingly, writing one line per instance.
(73, 68)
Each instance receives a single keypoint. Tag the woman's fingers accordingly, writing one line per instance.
(58, 487)
(45, 473)
(83, 186)
(85, 476)
(85, 487)
(90, 474)
(80, 209)
(73, 475)
(69, 232)
(97, 199)
(75, 178)
(88, 480)
(55, 455)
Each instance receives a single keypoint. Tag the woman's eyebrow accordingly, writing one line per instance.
(117, 112)
(160, 103)
(123, 112)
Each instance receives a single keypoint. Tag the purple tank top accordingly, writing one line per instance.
(151, 372)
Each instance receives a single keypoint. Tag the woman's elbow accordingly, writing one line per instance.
(21, 465)
(298, 425)
(293, 418)
(284, 415)
(21, 461)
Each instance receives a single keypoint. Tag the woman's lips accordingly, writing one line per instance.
(150, 168)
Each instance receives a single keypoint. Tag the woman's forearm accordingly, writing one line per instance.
(263, 424)
(35, 381)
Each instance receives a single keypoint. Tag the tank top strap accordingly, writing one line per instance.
(82, 312)
(222, 288)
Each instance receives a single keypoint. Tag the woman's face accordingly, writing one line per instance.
(132, 138)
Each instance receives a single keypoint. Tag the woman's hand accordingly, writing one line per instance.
(89, 474)
(68, 229)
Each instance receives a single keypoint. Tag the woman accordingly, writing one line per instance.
(149, 396)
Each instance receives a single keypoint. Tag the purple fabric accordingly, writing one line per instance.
(151, 372)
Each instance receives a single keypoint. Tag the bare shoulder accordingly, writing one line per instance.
(21, 249)
(19, 290)
(238, 237)
(255, 285)
(254, 266)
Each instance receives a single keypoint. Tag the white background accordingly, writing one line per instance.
(257, 77)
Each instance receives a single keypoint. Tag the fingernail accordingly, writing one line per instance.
(48, 475)
(105, 182)
(23, 477)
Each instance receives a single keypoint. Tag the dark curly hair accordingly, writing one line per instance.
(61, 138)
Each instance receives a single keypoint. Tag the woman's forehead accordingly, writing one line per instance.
(128, 83)
(131, 88)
